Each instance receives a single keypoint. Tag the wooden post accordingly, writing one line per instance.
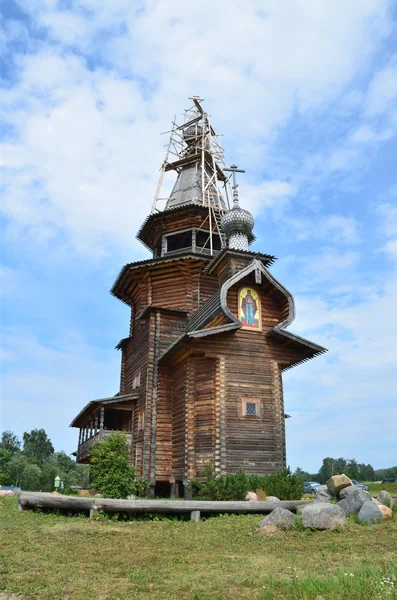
(194, 240)
(163, 245)
(173, 488)
(187, 489)
(195, 515)
(153, 441)
(101, 421)
(96, 424)
(94, 511)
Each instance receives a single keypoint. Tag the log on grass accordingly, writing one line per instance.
(72, 503)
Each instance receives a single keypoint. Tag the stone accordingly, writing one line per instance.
(385, 498)
(323, 495)
(346, 491)
(336, 483)
(272, 499)
(251, 497)
(7, 493)
(387, 512)
(376, 501)
(353, 499)
(320, 515)
(279, 516)
(370, 513)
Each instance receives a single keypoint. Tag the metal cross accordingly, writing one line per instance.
(234, 169)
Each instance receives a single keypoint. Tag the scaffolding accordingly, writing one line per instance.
(196, 154)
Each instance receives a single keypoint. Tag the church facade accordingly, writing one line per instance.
(201, 368)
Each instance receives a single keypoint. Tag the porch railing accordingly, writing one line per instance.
(84, 449)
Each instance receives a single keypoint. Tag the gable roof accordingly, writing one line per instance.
(197, 325)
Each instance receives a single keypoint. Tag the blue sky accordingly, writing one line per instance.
(305, 93)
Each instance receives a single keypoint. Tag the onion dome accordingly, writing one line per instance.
(238, 224)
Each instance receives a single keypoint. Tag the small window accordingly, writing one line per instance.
(250, 407)
(141, 420)
(136, 382)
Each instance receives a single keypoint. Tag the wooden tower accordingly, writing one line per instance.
(201, 368)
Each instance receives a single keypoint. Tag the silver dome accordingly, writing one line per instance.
(237, 220)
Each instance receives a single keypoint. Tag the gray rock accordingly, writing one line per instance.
(323, 495)
(279, 516)
(370, 513)
(320, 515)
(347, 490)
(353, 499)
(336, 483)
(272, 499)
(385, 499)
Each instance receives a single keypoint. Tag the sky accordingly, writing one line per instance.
(305, 95)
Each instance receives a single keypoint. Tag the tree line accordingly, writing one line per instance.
(351, 468)
(33, 464)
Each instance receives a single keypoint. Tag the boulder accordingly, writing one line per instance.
(376, 501)
(370, 513)
(387, 512)
(251, 497)
(385, 499)
(346, 491)
(7, 493)
(272, 499)
(353, 499)
(279, 516)
(323, 495)
(336, 483)
(321, 515)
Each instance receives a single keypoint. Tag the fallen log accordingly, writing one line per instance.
(30, 500)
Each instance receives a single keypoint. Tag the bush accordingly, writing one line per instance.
(31, 478)
(283, 484)
(112, 475)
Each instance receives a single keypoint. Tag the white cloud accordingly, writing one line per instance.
(87, 150)
(46, 386)
(382, 93)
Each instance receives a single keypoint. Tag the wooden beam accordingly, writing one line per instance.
(30, 500)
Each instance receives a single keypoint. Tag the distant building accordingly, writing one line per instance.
(201, 368)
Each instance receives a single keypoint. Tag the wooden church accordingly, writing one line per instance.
(201, 368)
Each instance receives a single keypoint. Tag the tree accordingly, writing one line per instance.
(37, 446)
(31, 478)
(15, 468)
(10, 442)
(111, 472)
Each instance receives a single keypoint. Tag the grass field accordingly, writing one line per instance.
(49, 557)
(374, 488)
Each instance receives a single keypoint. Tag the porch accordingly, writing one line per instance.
(99, 419)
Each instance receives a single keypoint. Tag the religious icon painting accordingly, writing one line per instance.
(249, 309)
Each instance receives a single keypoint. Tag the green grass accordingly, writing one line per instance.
(50, 557)
(375, 488)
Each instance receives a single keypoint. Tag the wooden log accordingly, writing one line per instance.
(28, 500)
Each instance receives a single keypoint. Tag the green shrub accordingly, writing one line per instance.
(283, 484)
(112, 475)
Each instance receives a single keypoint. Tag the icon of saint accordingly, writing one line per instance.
(249, 308)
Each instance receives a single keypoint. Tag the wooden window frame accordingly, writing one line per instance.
(136, 381)
(243, 408)
(141, 421)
